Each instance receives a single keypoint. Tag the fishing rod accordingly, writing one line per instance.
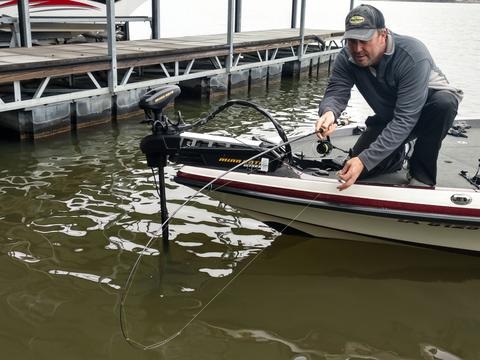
(164, 142)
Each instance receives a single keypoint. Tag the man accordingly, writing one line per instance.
(410, 96)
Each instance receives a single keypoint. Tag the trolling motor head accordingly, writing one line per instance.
(165, 139)
(154, 101)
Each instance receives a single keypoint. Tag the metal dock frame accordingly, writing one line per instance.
(167, 60)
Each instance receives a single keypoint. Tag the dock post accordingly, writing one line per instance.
(231, 14)
(24, 19)
(294, 14)
(155, 19)
(112, 53)
(297, 67)
(238, 16)
(302, 30)
(112, 46)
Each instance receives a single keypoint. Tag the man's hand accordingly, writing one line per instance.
(325, 125)
(350, 173)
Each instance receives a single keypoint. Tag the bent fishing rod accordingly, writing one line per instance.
(163, 143)
(164, 225)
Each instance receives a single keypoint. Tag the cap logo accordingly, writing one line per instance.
(356, 20)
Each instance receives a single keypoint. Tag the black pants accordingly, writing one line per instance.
(436, 118)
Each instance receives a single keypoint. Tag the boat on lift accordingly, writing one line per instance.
(72, 8)
(67, 20)
(291, 183)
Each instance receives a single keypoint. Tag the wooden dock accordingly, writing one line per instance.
(18, 64)
(50, 75)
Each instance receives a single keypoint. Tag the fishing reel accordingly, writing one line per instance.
(324, 147)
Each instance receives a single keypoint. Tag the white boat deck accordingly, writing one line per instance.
(457, 154)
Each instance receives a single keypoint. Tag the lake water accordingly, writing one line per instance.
(76, 212)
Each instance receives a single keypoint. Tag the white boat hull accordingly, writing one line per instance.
(348, 226)
(363, 212)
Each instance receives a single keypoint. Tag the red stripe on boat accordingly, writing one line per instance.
(345, 200)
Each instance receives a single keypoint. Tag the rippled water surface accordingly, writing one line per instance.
(78, 211)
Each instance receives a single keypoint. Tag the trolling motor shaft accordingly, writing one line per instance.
(163, 142)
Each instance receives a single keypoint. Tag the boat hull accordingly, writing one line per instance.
(364, 212)
(323, 223)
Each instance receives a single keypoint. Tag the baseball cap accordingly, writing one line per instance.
(362, 22)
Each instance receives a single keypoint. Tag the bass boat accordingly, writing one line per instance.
(290, 183)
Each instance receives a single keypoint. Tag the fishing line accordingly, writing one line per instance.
(309, 203)
(131, 276)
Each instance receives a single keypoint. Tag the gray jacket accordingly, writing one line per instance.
(396, 90)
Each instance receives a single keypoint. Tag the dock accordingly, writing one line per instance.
(46, 90)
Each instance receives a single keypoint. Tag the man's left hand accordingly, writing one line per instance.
(350, 173)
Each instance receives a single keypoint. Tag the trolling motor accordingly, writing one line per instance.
(167, 142)
(163, 141)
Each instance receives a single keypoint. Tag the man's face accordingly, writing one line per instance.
(368, 53)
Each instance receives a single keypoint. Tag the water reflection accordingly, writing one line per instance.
(321, 299)
(86, 276)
